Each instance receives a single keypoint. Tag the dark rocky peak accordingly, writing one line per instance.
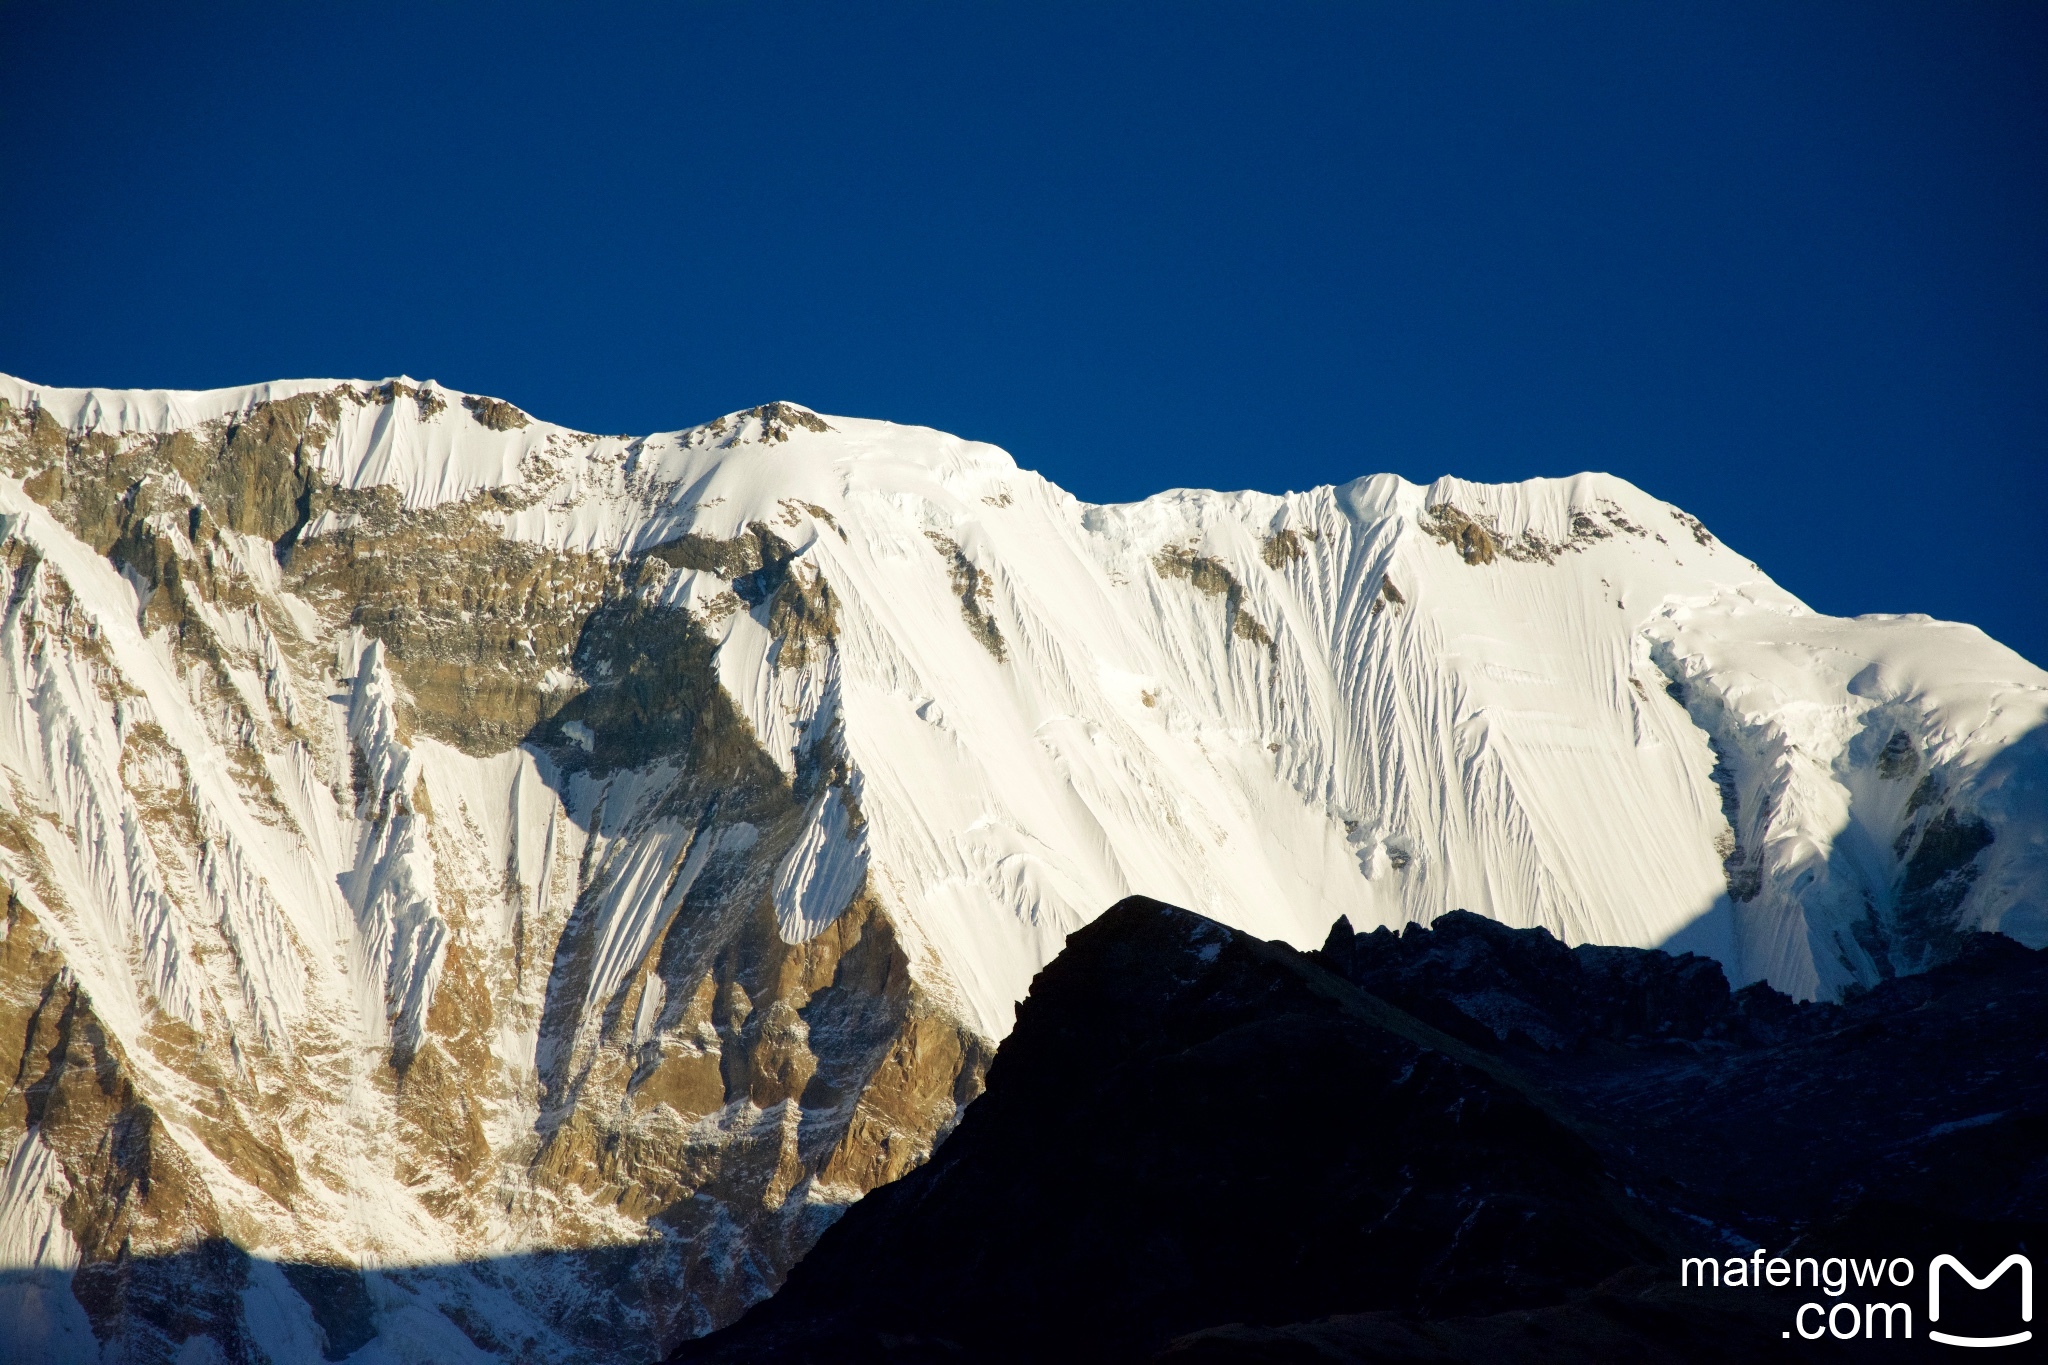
(1191, 1126)
(1198, 1146)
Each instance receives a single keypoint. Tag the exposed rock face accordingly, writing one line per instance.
(485, 888)
(1199, 1147)
(533, 1001)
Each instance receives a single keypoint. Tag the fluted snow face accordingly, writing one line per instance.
(1282, 709)
(988, 710)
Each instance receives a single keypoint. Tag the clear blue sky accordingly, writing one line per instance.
(1783, 264)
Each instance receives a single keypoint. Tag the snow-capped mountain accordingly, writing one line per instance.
(483, 890)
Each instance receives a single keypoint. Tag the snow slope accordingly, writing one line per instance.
(1560, 702)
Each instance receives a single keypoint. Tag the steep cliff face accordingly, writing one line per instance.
(478, 889)
(310, 957)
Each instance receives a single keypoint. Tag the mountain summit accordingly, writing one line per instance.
(488, 886)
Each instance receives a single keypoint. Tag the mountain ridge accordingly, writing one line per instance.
(480, 838)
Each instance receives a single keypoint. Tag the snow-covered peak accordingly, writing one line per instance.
(613, 833)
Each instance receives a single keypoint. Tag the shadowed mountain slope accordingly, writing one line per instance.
(1193, 1134)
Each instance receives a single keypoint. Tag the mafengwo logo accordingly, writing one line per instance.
(2012, 1262)
(1963, 1307)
